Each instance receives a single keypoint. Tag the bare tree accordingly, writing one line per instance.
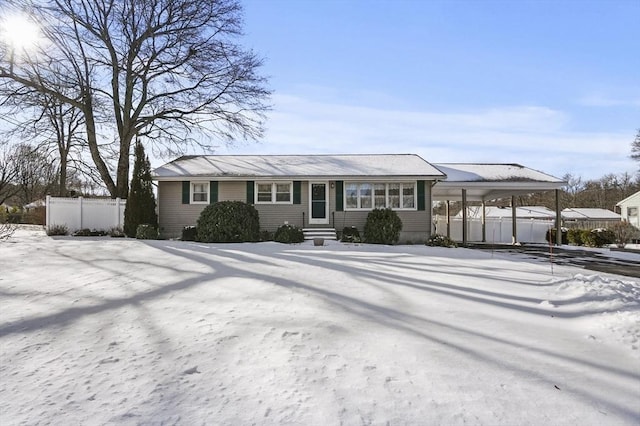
(169, 70)
(36, 173)
(55, 128)
(8, 173)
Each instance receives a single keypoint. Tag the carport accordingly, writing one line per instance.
(476, 182)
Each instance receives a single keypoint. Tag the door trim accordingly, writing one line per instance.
(325, 220)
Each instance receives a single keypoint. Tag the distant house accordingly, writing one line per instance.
(589, 217)
(630, 209)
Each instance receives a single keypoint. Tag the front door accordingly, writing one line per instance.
(319, 207)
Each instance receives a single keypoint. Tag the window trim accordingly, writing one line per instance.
(192, 192)
(274, 188)
(372, 184)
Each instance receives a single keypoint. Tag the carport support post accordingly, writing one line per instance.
(558, 220)
(464, 217)
(514, 223)
(484, 221)
(448, 209)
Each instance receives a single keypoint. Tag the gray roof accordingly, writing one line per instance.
(297, 166)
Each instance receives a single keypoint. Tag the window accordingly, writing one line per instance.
(408, 196)
(199, 192)
(368, 196)
(273, 192)
(365, 195)
(632, 211)
(351, 195)
(394, 195)
(379, 195)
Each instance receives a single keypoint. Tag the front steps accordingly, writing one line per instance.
(326, 233)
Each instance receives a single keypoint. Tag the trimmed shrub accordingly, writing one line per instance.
(438, 240)
(574, 236)
(266, 235)
(552, 240)
(146, 231)
(189, 233)
(57, 230)
(598, 237)
(288, 234)
(383, 226)
(228, 222)
(350, 235)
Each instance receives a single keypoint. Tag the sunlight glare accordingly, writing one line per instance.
(19, 32)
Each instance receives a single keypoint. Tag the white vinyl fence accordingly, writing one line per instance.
(85, 213)
(497, 230)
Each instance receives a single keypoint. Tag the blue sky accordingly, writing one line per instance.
(553, 85)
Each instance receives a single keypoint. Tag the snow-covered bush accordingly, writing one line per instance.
(383, 226)
(228, 222)
(437, 240)
(598, 237)
(117, 232)
(189, 233)
(350, 235)
(288, 234)
(146, 231)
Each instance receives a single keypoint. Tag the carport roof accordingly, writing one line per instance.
(491, 181)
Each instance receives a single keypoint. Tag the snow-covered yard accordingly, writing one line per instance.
(120, 331)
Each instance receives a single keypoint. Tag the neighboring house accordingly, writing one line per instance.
(323, 191)
(630, 209)
(589, 217)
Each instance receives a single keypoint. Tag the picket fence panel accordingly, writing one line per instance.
(85, 213)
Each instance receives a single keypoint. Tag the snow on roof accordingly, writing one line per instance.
(528, 212)
(477, 172)
(297, 165)
(589, 214)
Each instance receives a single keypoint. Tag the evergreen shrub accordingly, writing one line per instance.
(228, 222)
(552, 238)
(599, 237)
(189, 233)
(266, 235)
(141, 202)
(288, 234)
(437, 240)
(383, 226)
(574, 236)
(350, 235)
(146, 231)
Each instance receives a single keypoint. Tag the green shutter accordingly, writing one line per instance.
(213, 192)
(250, 190)
(339, 195)
(186, 189)
(297, 192)
(421, 201)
